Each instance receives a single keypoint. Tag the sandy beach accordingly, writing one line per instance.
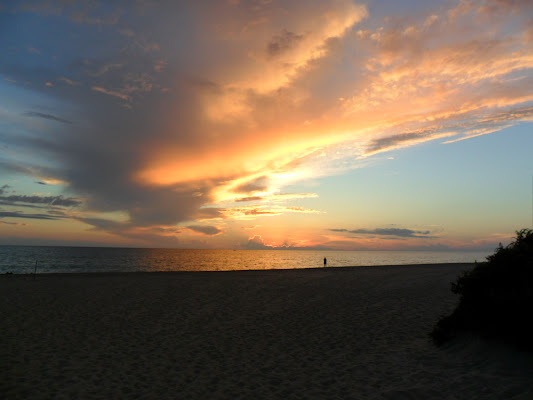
(339, 333)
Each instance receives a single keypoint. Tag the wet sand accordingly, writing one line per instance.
(339, 333)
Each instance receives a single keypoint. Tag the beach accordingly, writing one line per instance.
(325, 333)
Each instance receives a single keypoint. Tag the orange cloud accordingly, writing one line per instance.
(416, 85)
(251, 212)
(268, 96)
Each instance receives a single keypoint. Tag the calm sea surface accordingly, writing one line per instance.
(22, 259)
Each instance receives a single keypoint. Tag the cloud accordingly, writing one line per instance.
(103, 223)
(249, 198)
(205, 229)
(257, 185)
(18, 214)
(46, 200)
(468, 124)
(13, 223)
(256, 243)
(69, 81)
(47, 116)
(283, 42)
(44, 173)
(251, 227)
(278, 197)
(255, 211)
(220, 102)
(432, 84)
(397, 232)
(97, 69)
(111, 92)
(401, 139)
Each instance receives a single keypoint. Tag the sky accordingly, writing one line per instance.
(263, 124)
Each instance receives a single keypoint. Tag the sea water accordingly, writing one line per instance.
(25, 259)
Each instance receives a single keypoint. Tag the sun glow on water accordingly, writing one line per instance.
(22, 259)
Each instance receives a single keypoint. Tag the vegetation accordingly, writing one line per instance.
(496, 297)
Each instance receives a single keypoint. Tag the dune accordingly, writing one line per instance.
(337, 333)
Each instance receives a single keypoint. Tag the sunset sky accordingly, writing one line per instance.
(266, 124)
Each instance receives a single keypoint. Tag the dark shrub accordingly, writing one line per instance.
(496, 297)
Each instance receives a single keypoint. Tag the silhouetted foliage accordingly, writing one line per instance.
(496, 297)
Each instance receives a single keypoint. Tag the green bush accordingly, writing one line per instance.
(496, 297)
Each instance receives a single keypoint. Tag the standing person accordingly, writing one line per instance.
(325, 262)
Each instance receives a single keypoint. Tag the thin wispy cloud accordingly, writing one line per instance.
(205, 229)
(111, 92)
(18, 214)
(46, 200)
(47, 116)
(68, 81)
(12, 223)
(398, 232)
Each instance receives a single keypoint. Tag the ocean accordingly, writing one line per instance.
(24, 259)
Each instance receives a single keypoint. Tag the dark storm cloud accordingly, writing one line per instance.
(47, 116)
(125, 116)
(398, 232)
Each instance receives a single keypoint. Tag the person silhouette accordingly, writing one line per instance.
(325, 262)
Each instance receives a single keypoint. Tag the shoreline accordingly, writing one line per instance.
(308, 269)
